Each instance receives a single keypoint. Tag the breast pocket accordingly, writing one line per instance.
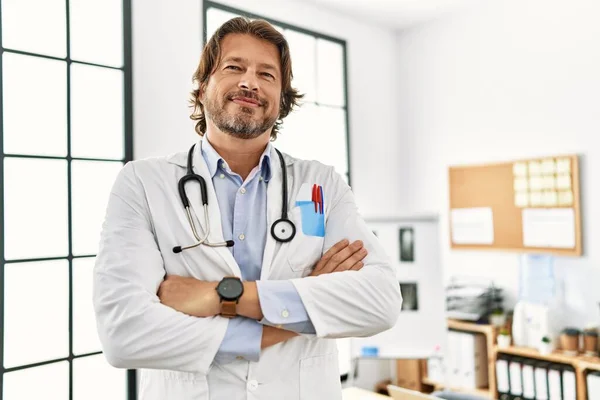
(320, 378)
(305, 250)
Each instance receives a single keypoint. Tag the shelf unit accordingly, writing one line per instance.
(580, 363)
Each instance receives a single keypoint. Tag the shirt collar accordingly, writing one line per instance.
(212, 159)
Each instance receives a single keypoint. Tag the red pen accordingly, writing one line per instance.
(314, 196)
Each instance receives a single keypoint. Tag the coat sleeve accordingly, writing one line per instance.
(351, 303)
(135, 329)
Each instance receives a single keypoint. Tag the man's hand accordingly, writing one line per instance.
(190, 296)
(271, 336)
(343, 256)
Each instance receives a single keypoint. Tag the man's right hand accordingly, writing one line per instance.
(343, 256)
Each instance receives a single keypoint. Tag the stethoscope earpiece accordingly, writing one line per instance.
(283, 230)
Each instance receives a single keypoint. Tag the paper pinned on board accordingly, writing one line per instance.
(520, 169)
(549, 227)
(563, 166)
(521, 199)
(472, 225)
(563, 181)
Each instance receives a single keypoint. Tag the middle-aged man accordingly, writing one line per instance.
(239, 298)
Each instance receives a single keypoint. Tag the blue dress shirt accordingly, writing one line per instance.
(243, 206)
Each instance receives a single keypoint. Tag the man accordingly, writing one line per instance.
(250, 321)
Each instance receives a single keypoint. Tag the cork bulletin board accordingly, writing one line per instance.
(529, 206)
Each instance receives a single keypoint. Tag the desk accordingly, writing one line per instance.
(354, 393)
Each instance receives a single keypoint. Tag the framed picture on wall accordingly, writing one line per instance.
(406, 237)
(410, 296)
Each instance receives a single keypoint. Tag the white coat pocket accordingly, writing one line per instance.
(166, 385)
(304, 251)
(320, 378)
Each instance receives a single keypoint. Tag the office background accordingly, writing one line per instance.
(480, 82)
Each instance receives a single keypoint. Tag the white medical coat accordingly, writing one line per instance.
(145, 219)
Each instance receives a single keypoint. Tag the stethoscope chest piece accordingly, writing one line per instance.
(283, 230)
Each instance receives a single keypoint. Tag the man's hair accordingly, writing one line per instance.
(211, 55)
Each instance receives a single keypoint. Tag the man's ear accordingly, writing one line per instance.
(201, 91)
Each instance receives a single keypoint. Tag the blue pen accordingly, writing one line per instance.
(322, 202)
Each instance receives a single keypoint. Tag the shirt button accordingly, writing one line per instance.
(285, 313)
(242, 236)
(252, 385)
(260, 178)
(222, 176)
(243, 190)
(239, 358)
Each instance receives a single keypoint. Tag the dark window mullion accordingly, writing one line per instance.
(69, 199)
(2, 226)
(62, 158)
(47, 362)
(128, 133)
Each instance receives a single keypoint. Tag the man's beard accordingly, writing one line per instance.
(239, 124)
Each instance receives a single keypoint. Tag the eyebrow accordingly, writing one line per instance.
(245, 61)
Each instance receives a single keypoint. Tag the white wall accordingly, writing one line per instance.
(167, 40)
(504, 80)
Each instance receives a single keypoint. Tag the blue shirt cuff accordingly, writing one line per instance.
(282, 306)
(242, 339)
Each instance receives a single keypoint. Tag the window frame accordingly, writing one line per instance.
(131, 386)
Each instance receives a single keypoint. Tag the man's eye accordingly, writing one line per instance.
(266, 74)
(233, 67)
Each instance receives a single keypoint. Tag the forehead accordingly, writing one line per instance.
(250, 48)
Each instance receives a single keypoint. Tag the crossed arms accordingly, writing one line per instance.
(147, 321)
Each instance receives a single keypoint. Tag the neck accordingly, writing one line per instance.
(242, 155)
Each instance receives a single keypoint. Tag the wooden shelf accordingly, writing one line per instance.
(586, 362)
(558, 357)
(484, 392)
(580, 363)
(471, 327)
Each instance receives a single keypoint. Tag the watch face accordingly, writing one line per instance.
(230, 288)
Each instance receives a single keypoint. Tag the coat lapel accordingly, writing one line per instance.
(214, 213)
(274, 205)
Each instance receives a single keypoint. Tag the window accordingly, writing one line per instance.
(65, 132)
(318, 130)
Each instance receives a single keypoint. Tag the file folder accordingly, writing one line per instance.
(528, 377)
(541, 380)
(593, 385)
(569, 385)
(515, 378)
(554, 382)
(502, 377)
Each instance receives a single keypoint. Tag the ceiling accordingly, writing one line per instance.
(394, 14)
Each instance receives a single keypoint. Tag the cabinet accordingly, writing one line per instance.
(581, 364)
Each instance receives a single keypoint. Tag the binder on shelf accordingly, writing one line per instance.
(593, 385)
(569, 385)
(528, 378)
(555, 382)
(502, 377)
(541, 380)
(515, 377)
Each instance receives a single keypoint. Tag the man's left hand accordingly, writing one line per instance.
(190, 296)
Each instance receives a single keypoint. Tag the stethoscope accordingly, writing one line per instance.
(283, 230)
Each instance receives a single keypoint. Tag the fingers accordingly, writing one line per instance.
(343, 256)
(353, 261)
(357, 266)
(329, 254)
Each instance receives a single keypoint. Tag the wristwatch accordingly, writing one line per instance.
(230, 289)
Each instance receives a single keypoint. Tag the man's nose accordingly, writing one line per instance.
(248, 81)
